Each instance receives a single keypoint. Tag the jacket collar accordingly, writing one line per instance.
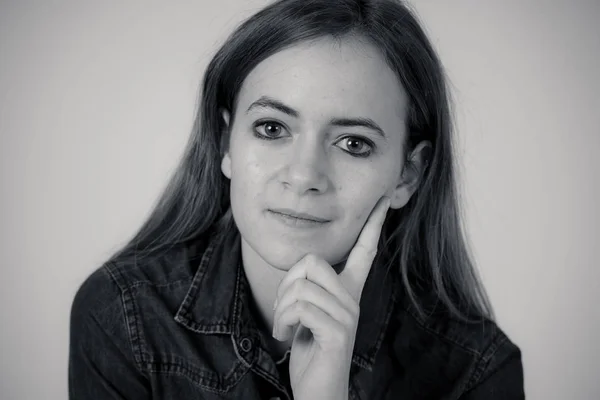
(215, 302)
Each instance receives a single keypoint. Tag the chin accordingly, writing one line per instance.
(282, 259)
(285, 258)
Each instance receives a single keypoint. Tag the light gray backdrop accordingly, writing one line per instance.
(97, 100)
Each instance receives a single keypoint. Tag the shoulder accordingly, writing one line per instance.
(120, 300)
(98, 331)
(111, 293)
(441, 355)
(478, 336)
(95, 295)
(112, 313)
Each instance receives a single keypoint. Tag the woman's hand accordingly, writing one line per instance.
(325, 308)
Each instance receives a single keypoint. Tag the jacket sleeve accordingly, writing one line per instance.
(102, 364)
(499, 373)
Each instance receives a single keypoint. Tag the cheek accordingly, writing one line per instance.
(361, 214)
(360, 207)
(244, 163)
(248, 160)
(361, 191)
(247, 178)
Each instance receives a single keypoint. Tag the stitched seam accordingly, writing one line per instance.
(136, 284)
(441, 336)
(128, 307)
(202, 377)
(99, 325)
(485, 361)
(267, 376)
(183, 313)
(215, 328)
(236, 296)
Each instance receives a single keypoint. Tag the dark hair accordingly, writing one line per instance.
(424, 241)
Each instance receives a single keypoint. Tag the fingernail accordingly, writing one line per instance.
(387, 201)
(274, 334)
(275, 304)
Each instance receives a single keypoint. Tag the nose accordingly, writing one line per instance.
(306, 170)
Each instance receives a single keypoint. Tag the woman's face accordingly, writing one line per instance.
(318, 130)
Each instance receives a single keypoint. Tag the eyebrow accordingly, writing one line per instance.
(269, 102)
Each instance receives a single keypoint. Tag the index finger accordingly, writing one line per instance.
(363, 253)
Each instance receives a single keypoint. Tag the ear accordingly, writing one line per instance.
(412, 174)
(226, 159)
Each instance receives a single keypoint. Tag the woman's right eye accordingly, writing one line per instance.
(268, 130)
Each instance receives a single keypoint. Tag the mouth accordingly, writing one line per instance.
(300, 216)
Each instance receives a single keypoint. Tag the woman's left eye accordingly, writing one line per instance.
(356, 146)
(268, 130)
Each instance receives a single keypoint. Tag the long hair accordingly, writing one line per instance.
(424, 241)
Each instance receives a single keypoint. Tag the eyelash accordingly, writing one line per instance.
(268, 138)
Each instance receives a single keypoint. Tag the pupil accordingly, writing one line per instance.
(272, 129)
(354, 144)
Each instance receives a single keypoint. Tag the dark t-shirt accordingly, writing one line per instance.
(179, 326)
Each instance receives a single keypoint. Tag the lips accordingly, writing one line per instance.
(300, 215)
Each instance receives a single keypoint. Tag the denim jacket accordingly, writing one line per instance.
(181, 327)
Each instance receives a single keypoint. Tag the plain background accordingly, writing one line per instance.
(97, 101)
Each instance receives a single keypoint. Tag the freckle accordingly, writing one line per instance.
(360, 216)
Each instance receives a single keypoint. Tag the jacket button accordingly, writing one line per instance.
(246, 344)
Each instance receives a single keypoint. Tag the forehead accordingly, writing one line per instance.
(329, 78)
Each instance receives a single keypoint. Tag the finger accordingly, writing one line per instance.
(363, 253)
(328, 333)
(317, 270)
(303, 290)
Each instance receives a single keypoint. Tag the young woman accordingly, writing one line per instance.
(309, 245)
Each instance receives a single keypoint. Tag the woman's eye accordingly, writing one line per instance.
(356, 146)
(268, 130)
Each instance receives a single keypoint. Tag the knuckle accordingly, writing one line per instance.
(340, 336)
(314, 262)
(302, 306)
(297, 286)
(367, 250)
(347, 318)
(311, 259)
(354, 310)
